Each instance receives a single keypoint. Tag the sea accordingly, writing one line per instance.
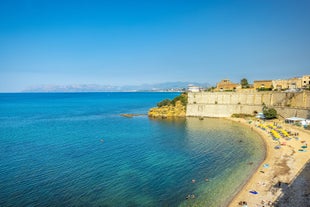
(75, 149)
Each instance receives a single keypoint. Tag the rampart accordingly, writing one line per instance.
(224, 104)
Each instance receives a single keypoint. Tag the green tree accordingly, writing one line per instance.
(244, 83)
(182, 98)
(165, 102)
(269, 113)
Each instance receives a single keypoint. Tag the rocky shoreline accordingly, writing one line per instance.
(170, 109)
(132, 115)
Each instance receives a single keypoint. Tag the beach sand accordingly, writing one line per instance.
(279, 169)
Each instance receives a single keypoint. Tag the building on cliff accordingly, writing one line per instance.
(279, 85)
(305, 81)
(263, 84)
(192, 88)
(292, 83)
(227, 85)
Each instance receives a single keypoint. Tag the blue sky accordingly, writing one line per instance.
(135, 42)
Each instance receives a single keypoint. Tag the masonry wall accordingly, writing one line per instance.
(224, 104)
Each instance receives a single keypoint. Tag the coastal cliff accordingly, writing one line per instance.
(224, 104)
(170, 109)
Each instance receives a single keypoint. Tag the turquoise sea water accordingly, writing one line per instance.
(52, 153)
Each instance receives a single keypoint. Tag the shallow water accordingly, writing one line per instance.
(76, 150)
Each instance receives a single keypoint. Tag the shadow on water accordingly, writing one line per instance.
(297, 193)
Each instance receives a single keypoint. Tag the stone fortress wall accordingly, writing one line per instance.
(224, 104)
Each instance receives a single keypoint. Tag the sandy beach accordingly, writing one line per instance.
(280, 167)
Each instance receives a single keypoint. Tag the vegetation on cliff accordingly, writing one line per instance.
(242, 115)
(170, 108)
(269, 113)
(182, 98)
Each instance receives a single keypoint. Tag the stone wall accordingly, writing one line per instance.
(224, 104)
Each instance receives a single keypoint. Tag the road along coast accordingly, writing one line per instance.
(287, 152)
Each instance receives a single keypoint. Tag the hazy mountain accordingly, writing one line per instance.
(109, 88)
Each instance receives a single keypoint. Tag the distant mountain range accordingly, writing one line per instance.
(167, 86)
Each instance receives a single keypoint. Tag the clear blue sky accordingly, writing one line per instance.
(151, 41)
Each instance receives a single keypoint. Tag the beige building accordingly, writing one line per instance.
(305, 81)
(192, 88)
(283, 84)
(291, 83)
(262, 84)
(226, 85)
